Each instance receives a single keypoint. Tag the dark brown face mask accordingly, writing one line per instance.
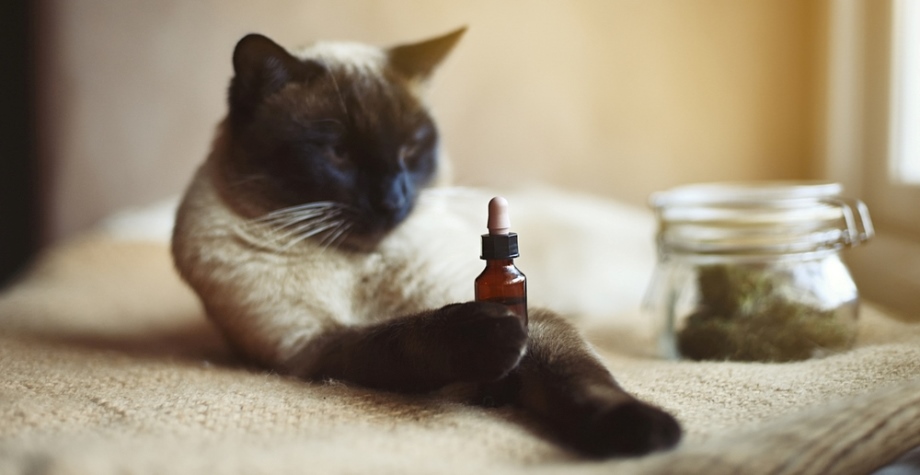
(308, 130)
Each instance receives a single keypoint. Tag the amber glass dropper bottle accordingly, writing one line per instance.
(501, 281)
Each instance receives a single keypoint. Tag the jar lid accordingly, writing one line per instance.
(759, 218)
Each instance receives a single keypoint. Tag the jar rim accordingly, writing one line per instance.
(745, 192)
(759, 217)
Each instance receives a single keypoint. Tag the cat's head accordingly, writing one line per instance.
(338, 128)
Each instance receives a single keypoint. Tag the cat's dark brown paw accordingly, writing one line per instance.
(627, 429)
(485, 340)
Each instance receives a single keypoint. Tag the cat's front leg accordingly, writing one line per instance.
(466, 342)
(564, 384)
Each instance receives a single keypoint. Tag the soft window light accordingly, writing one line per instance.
(905, 130)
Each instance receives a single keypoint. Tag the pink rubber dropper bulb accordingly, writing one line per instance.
(499, 219)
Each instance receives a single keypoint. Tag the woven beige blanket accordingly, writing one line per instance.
(108, 366)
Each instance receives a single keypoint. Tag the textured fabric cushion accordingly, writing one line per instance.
(108, 366)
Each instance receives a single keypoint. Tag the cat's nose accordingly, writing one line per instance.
(394, 200)
(396, 197)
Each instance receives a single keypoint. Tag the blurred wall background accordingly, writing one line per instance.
(611, 97)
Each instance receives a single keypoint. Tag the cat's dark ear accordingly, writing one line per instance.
(417, 61)
(260, 68)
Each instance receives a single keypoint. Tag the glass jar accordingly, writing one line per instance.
(753, 272)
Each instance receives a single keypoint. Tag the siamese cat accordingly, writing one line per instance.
(321, 243)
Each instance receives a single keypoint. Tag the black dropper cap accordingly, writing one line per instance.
(499, 246)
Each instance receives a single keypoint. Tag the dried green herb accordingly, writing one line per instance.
(743, 316)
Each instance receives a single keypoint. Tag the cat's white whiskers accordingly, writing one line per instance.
(283, 221)
(315, 204)
(284, 228)
(337, 234)
(286, 216)
(318, 206)
(304, 226)
(311, 233)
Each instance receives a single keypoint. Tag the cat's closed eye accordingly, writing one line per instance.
(416, 147)
(313, 152)
(337, 154)
(325, 139)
